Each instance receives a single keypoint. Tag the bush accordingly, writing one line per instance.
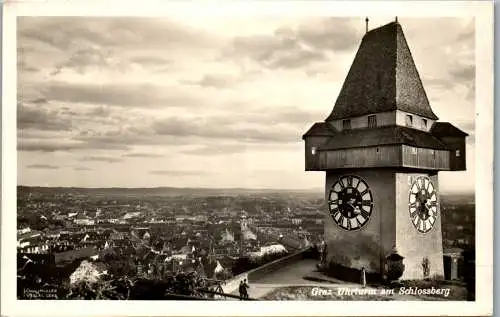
(395, 271)
(245, 264)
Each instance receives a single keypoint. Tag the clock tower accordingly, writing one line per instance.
(382, 147)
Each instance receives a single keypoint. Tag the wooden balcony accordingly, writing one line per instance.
(396, 156)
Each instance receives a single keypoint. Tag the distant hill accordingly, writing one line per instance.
(458, 198)
(450, 198)
(164, 191)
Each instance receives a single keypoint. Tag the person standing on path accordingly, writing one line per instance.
(245, 288)
(241, 290)
(363, 277)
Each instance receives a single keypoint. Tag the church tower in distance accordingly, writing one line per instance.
(382, 147)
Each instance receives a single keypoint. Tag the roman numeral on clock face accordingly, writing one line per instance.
(355, 182)
(333, 195)
(416, 220)
(340, 220)
(365, 214)
(413, 212)
(349, 181)
(336, 215)
(361, 220)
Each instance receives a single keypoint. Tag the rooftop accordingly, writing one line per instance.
(382, 77)
(388, 135)
(443, 129)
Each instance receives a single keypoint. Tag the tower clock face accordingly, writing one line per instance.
(423, 204)
(350, 202)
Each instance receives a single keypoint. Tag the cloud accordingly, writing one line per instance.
(87, 58)
(43, 166)
(270, 125)
(39, 101)
(143, 155)
(22, 64)
(100, 111)
(63, 32)
(82, 168)
(123, 139)
(41, 119)
(438, 83)
(332, 34)
(106, 159)
(122, 95)
(110, 42)
(464, 73)
(215, 129)
(215, 81)
(282, 50)
(217, 149)
(146, 60)
(45, 146)
(176, 173)
(467, 33)
(292, 48)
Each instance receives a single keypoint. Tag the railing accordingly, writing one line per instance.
(224, 295)
(170, 296)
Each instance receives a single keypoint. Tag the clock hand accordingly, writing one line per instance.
(426, 205)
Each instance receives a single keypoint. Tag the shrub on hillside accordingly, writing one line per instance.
(395, 271)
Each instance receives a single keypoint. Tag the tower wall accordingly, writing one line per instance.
(367, 246)
(413, 245)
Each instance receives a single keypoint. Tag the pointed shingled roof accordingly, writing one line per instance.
(383, 77)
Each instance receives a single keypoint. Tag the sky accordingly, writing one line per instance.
(208, 102)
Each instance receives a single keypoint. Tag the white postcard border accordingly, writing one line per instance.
(483, 11)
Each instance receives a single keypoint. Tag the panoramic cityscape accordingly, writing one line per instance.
(70, 235)
(172, 159)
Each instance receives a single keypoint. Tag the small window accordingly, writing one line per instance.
(433, 152)
(457, 153)
(413, 150)
(346, 124)
(409, 120)
(313, 150)
(372, 121)
(424, 123)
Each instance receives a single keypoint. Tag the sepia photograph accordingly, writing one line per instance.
(248, 157)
